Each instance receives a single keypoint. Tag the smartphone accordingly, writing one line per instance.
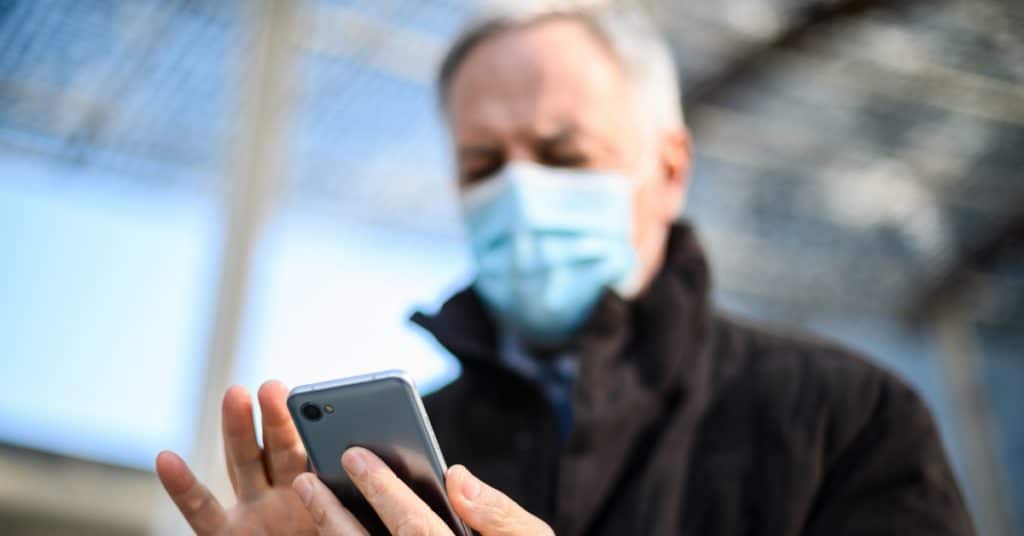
(381, 412)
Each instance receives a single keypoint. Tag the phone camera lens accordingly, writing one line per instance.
(311, 411)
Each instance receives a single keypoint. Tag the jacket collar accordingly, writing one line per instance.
(660, 333)
(643, 371)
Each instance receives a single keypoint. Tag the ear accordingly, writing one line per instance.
(676, 163)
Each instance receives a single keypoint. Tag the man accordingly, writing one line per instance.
(599, 391)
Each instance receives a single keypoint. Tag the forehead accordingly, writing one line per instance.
(532, 79)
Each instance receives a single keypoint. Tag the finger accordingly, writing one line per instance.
(397, 506)
(231, 471)
(487, 510)
(330, 517)
(245, 459)
(202, 511)
(281, 444)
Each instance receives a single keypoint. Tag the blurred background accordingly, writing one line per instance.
(198, 192)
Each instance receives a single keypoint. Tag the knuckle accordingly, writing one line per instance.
(373, 485)
(287, 458)
(319, 514)
(504, 525)
(378, 482)
(413, 525)
(248, 458)
(498, 512)
(195, 503)
(505, 517)
(250, 470)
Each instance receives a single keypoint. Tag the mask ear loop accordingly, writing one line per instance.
(631, 286)
(639, 177)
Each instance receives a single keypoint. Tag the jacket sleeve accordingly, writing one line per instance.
(893, 477)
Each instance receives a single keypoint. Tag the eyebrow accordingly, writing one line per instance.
(478, 151)
(566, 132)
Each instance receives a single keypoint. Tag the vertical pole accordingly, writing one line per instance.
(256, 161)
(961, 360)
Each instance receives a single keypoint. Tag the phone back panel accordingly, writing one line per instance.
(383, 413)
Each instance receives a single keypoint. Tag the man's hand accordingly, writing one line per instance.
(275, 496)
(482, 507)
(262, 478)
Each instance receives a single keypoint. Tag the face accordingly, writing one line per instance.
(551, 93)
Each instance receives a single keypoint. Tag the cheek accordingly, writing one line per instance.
(646, 212)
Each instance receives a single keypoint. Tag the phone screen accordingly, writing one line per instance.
(383, 413)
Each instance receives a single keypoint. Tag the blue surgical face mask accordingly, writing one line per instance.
(547, 243)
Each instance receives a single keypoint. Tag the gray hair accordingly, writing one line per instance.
(633, 39)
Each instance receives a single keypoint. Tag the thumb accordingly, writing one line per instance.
(487, 510)
(329, 516)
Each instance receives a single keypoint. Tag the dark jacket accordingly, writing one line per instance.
(689, 423)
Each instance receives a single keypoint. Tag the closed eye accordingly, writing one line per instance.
(478, 162)
(479, 173)
(570, 160)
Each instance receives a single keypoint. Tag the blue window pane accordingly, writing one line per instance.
(104, 295)
(332, 299)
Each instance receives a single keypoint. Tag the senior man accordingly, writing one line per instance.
(599, 392)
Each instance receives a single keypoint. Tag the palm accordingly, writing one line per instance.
(276, 512)
(261, 477)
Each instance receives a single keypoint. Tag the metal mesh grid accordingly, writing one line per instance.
(875, 146)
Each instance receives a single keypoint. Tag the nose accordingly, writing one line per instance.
(521, 153)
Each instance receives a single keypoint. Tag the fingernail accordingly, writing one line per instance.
(304, 488)
(354, 462)
(470, 486)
